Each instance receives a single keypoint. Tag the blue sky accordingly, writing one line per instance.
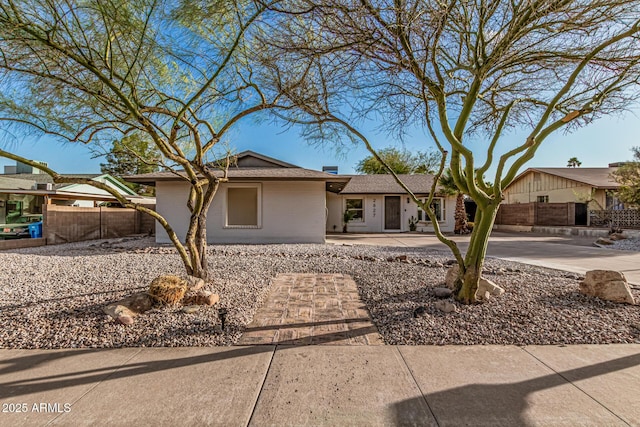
(607, 140)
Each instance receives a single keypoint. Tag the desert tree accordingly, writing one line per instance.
(573, 162)
(628, 176)
(400, 161)
(474, 74)
(174, 73)
(131, 155)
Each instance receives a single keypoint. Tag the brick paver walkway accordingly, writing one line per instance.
(312, 309)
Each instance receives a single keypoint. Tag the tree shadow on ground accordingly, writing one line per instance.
(20, 383)
(508, 404)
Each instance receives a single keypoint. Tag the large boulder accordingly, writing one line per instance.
(138, 303)
(486, 289)
(445, 306)
(120, 313)
(195, 283)
(607, 285)
(452, 275)
(442, 292)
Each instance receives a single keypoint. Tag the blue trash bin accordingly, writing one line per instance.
(35, 229)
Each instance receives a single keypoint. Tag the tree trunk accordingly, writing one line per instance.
(470, 274)
(460, 216)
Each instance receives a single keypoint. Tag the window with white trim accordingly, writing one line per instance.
(356, 208)
(437, 204)
(243, 206)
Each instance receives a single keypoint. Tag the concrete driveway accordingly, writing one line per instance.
(569, 253)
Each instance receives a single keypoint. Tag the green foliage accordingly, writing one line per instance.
(573, 162)
(400, 161)
(176, 73)
(447, 184)
(628, 176)
(347, 216)
(132, 155)
(413, 222)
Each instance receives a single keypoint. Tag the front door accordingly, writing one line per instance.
(581, 214)
(392, 212)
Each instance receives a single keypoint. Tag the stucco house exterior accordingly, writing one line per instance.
(265, 201)
(562, 185)
(380, 205)
(270, 201)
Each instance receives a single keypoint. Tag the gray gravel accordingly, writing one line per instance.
(52, 297)
(630, 244)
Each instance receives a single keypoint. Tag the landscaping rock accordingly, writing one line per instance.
(189, 309)
(603, 241)
(607, 285)
(401, 258)
(195, 283)
(442, 292)
(490, 287)
(486, 296)
(445, 306)
(138, 303)
(120, 313)
(452, 275)
(420, 312)
(617, 236)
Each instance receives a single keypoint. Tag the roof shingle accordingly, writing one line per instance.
(386, 184)
(596, 177)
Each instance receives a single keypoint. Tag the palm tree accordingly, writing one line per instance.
(449, 187)
(573, 162)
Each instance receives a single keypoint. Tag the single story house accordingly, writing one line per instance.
(564, 185)
(270, 201)
(380, 205)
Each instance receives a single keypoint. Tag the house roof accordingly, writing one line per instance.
(243, 174)
(386, 184)
(250, 166)
(595, 177)
(21, 184)
(43, 178)
(70, 195)
(28, 182)
(250, 158)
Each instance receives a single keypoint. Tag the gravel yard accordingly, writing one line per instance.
(52, 297)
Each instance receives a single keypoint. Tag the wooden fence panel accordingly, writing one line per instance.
(516, 214)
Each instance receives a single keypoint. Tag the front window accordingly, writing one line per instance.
(613, 203)
(437, 204)
(243, 206)
(356, 208)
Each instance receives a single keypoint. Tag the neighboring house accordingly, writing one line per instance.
(562, 185)
(379, 204)
(270, 201)
(25, 193)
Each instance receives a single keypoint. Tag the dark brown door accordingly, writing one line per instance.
(392, 213)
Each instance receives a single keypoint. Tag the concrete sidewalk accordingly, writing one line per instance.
(569, 253)
(323, 385)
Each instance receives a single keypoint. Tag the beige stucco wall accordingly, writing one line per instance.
(560, 190)
(374, 214)
(290, 212)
